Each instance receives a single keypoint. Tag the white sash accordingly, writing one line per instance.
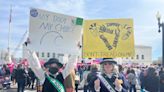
(106, 84)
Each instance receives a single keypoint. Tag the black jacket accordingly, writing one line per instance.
(48, 87)
(20, 75)
(151, 83)
(103, 88)
(92, 76)
(162, 82)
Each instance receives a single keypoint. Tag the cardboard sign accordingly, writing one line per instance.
(53, 32)
(110, 38)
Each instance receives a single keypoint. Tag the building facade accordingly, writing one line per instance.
(143, 55)
(158, 61)
(42, 55)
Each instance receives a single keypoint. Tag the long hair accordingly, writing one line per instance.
(114, 70)
(132, 71)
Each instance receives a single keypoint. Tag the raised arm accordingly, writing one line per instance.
(35, 65)
(71, 61)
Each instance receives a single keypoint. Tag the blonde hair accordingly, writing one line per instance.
(94, 67)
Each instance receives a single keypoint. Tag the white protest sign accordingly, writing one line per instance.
(54, 32)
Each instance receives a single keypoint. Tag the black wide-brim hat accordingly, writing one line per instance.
(109, 60)
(53, 61)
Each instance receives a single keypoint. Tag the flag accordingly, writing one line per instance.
(10, 14)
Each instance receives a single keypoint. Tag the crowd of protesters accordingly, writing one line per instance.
(21, 75)
(134, 78)
(89, 77)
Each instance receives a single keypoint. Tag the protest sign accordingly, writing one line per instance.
(108, 38)
(54, 32)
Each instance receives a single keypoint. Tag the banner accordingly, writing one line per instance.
(110, 38)
(53, 32)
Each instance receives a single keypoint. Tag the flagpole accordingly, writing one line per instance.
(9, 56)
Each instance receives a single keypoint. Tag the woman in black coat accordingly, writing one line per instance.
(107, 80)
(53, 65)
(20, 78)
(151, 83)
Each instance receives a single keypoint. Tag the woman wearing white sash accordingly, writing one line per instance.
(107, 80)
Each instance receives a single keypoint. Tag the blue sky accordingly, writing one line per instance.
(143, 13)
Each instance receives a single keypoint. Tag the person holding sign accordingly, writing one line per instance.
(52, 78)
(107, 80)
